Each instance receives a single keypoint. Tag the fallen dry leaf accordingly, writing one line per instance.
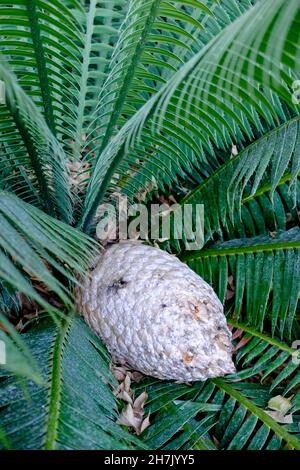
(234, 151)
(140, 401)
(279, 406)
(133, 413)
(145, 423)
(242, 343)
(127, 418)
(237, 333)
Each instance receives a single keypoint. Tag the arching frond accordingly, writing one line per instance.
(32, 244)
(153, 96)
(142, 60)
(74, 407)
(262, 268)
(218, 84)
(265, 356)
(33, 163)
(39, 39)
(100, 24)
(256, 170)
(19, 360)
(265, 212)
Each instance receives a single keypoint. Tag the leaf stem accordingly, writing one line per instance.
(259, 413)
(279, 344)
(235, 250)
(56, 386)
(116, 112)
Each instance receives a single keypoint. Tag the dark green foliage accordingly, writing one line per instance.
(75, 407)
(149, 97)
(263, 268)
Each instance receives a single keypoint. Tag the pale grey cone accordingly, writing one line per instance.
(156, 314)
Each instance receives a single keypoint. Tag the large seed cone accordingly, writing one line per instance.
(157, 315)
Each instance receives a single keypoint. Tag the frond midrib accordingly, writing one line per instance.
(83, 86)
(253, 332)
(55, 391)
(258, 412)
(117, 110)
(268, 187)
(260, 247)
(235, 159)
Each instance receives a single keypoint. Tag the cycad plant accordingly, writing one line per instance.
(196, 101)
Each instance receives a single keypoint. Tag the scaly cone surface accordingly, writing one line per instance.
(156, 315)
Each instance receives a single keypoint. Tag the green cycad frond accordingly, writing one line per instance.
(259, 214)
(242, 413)
(205, 95)
(241, 178)
(142, 60)
(9, 302)
(30, 241)
(75, 407)
(39, 39)
(261, 355)
(19, 360)
(100, 24)
(262, 268)
(159, 92)
(59, 53)
(224, 13)
(170, 420)
(263, 212)
(30, 154)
